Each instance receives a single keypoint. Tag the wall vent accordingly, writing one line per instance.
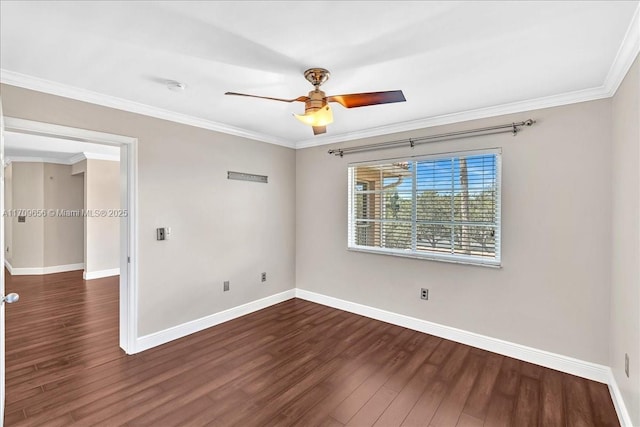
(241, 176)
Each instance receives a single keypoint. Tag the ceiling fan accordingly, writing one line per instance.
(317, 112)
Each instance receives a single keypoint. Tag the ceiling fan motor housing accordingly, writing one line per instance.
(317, 76)
(317, 100)
(317, 112)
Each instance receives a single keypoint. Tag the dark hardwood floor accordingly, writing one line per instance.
(295, 363)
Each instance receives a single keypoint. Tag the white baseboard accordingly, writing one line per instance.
(100, 274)
(28, 271)
(544, 358)
(555, 361)
(618, 401)
(158, 338)
(63, 268)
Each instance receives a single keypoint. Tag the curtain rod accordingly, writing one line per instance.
(513, 128)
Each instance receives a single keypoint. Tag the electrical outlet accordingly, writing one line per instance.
(225, 286)
(424, 293)
(626, 364)
(264, 277)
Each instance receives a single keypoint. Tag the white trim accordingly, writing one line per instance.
(59, 89)
(425, 256)
(32, 271)
(158, 338)
(463, 116)
(100, 274)
(618, 401)
(63, 268)
(570, 365)
(77, 158)
(2, 261)
(22, 159)
(623, 60)
(625, 56)
(46, 86)
(627, 53)
(99, 156)
(27, 271)
(129, 225)
(72, 160)
(555, 361)
(129, 248)
(13, 124)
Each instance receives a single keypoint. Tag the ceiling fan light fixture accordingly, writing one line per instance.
(317, 112)
(320, 117)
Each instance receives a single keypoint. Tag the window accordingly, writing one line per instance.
(444, 207)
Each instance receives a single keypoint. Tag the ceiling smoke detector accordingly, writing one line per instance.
(175, 86)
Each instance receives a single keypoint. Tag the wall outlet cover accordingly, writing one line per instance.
(626, 364)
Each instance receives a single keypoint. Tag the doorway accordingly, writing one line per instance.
(126, 212)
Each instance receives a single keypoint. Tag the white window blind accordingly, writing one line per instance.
(444, 207)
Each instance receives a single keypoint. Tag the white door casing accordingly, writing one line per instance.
(2, 264)
(128, 226)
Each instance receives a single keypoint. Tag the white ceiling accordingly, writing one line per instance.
(449, 58)
(28, 147)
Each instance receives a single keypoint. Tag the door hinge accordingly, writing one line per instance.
(128, 260)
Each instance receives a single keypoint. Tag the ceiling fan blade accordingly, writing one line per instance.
(371, 98)
(300, 98)
(317, 130)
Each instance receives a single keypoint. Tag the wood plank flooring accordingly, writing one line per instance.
(292, 364)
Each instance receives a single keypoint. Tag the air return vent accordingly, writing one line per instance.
(241, 176)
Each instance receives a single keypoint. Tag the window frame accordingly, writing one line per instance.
(413, 253)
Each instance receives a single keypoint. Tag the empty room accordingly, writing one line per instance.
(354, 213)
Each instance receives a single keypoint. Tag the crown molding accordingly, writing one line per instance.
(623, 60)
(13, 124)
(77, 158)
(463, 116)
(627, 53)
(625, 56)
(53, 88)
(71, 160)
(35, 159)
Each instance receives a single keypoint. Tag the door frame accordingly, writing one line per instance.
(2, 284)
(129, 224)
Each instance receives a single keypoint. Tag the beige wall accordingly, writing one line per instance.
(222, 229)
(552, 291)
(43, 241)
(28, 236)
(625, 254)
(102, 192)
(63, 235)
